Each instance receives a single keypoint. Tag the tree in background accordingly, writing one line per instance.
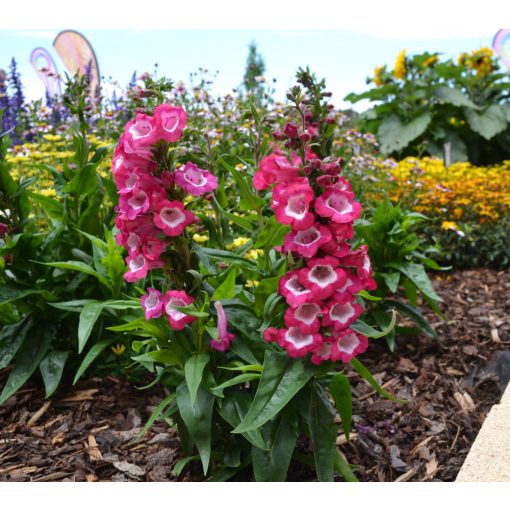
(254, 75)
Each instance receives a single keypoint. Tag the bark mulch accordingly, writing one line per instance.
(89, 433)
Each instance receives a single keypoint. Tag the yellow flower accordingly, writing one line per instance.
(430, 61)
(377, 76)
(400, 71)
(198, 238)
(118, 349)
(449, 225)
(238, 242)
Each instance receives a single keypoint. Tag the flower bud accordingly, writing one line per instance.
(305, 137)
(291, 130)
(278, 135)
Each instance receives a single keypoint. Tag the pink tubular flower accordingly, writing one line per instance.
(305, 317)
(337, 205)
(347, 344)
(138, 267)
(296, 343)
(176, 318)
(152, 303)
(194, 180)
(171, 217)
(322, 277)
(307, 242)
(339, 313)
(170, 121)
(222, 343)
(292, 290)
(141, 131)
(152, 248)
(293, 206)
(275, 168)
(322, 353)
(134, 203)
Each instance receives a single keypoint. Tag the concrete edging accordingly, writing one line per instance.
(489, 457)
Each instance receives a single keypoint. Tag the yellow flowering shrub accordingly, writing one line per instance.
(460, 191)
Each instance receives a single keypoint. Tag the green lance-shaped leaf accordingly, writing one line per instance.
(282, 377)
(365, 373)
(314, 406)
(93, 353)
(12, 337)
(340, 389)
(361, 327)
(197, 419)
(234, 407)
(30, 355)
(88, 317)
(272, 465)
(417, 274)
(193, 372)
(226, 289)
(52, 368)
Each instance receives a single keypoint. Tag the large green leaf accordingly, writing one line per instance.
(395, 136)
(282, 377)
(30, 355)
(234, 407)
(340, 389)
(488, 123)
(193, 372)
(197, 419)
(271, 465)
(417, 274)
(455, 97)
(52, 368)
(12, 337)
(319, 416)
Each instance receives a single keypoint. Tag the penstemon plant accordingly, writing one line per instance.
(248, 346)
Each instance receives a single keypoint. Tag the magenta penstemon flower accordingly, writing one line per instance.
(222, 342)
(152, 303)
(171, 217)
(322, 277)
(138, 267)
(173, 299)
(337, 205)
(194, 180)
(307, 242)
(170, 122)
(141, 131)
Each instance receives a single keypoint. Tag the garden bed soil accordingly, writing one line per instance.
(88, 433)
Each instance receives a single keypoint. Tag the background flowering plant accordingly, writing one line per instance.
(425, 103)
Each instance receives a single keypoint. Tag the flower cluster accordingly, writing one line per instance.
(151, 213)
(400, 71)
(317, 203)
(481, 61)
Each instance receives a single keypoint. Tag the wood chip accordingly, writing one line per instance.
(91, 477)
(132, 470)
(51, 477)
(81, 395)
(454, 372)
(431, 466)
(406, 476)
(425, 442)
(58, 438)
(93, 449)
(495, 336)
(464, 400)
(39, 413)
(343, 440)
